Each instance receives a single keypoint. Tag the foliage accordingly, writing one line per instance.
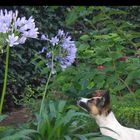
(127, 110)
(58, 121)
(132, 15)
(27, 99)
(108, 48)
(8, 133)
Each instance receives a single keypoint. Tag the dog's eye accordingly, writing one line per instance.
(91, 100)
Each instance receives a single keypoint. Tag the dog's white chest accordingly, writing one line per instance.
(109, 126)
(122, 134)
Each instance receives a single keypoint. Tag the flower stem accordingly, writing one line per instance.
(44, 93)
(5, 79)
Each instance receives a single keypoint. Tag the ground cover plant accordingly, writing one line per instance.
(51, 55)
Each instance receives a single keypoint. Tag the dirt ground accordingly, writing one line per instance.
(16, 117)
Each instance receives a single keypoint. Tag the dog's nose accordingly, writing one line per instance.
(78, 99)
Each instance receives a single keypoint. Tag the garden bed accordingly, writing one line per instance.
(16, 117)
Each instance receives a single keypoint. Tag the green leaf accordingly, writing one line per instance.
(102, 138)
(23, 134)
(44, 71)
(112, 11)
(85, 37)
(99, 18)
(67, 138)
(91, 85)
(132, 75)
(71, 18)
(137, 91)
(81, 137)
(61, 107)
(52, 109)
(83, 46)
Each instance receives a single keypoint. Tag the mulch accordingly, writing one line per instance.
(17, 117)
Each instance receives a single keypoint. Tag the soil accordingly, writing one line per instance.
(16, 117)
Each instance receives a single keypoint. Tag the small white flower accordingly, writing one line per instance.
(12, 40)
(10, 23)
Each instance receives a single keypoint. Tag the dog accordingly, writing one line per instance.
(99, 107)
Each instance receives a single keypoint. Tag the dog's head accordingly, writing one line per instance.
(98, 104)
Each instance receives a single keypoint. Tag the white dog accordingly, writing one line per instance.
(99, 107)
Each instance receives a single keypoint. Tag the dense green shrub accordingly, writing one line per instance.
(102, 37)
(108, 54)
(127, 110)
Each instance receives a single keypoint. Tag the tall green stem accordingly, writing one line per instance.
(5, 79)
(44, 93)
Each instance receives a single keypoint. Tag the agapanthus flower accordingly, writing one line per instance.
(12, 40)
(70, 56)
(49, 55)
(64, 51)
(18, 29)
(43, 50)
(44, 37)
(54, 40)
(22, 40)
(61, 33)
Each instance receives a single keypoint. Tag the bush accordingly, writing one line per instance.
(108, 48)
(127, 110)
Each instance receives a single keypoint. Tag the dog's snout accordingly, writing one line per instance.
(78, 100)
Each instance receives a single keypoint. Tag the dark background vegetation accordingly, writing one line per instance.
(108, 57)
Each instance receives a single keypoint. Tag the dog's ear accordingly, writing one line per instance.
(106, 98)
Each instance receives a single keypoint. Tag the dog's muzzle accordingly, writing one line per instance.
(82, 102)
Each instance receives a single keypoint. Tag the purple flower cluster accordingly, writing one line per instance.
(65, 47)
(70, 49)
(18, 29)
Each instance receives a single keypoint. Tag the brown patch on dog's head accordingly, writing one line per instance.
(99, 103)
